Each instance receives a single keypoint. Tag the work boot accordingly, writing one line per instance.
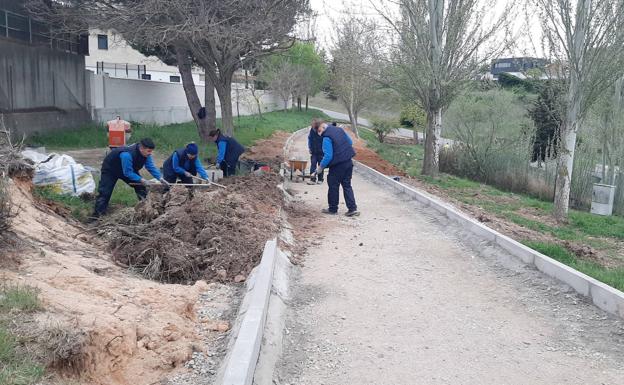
(320, 181)
(327, 211)
(312, 180)
(352, 213)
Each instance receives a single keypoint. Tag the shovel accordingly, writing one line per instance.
(205, 180)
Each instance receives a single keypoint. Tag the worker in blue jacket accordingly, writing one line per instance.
(125, 163)
(338, 154)
(183, 165)
(229, 150)
(315, 146)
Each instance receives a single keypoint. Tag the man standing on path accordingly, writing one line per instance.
(338, 154)
(183, 165)
(125, 163)
(315, 145)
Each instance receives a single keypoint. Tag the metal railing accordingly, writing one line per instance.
(121, 70)
(24, 28)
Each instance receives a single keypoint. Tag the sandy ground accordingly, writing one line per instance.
(400, 296)
(135, 331)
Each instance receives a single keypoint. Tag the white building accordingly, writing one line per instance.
(111, 54)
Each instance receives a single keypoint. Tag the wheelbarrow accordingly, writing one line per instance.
(298, 165)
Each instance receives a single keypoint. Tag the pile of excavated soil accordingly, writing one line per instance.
(371, 158)
(135, 331)
(216, 235)
(270, 150)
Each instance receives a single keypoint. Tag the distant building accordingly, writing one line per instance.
(42, 75)
(517, 66)
(112, 55)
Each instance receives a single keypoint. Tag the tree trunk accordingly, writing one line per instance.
(604, 163)
(354, 126)
(307, 97)
(224, 90)
(257, 98)
(211, 109)
(565, 162)
(431, 164)
(185, 67)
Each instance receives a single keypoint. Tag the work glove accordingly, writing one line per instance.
(163, 181)
(319, 171)
(144, 182)
(188, 174)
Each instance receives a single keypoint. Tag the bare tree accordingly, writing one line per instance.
(283, 80)
(354, 65)
(216, 34)
(440, 45)
(254, 29)
(587, 39)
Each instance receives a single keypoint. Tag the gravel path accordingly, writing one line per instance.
(400, 296)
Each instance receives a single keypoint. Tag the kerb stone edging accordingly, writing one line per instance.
(291, 139)
(604, 296)
(241, 362)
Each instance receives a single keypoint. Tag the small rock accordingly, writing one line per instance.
(361, 244)
(217, 326)
(221, 273)
(239, 278)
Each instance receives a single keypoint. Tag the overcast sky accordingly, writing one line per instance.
(329, 10)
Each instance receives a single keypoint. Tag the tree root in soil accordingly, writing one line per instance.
(181, 237)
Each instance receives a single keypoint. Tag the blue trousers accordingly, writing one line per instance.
(340, 175)
(105, 190)
(315, 161)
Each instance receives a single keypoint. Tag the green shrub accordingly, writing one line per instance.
(382, 127)
(413, 116)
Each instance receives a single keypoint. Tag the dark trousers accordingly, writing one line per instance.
(315, 161)
(105, 190)
(340, 175)
(228, 169)
(175, 177)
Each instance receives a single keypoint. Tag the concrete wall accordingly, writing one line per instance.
(159, 103)
(32, 123)
(40, 78)
(41, 89)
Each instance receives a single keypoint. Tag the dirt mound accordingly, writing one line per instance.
(369, 157)
(218, 235)
(134, 331)
(270, 150)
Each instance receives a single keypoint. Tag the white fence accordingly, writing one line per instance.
(160, 103)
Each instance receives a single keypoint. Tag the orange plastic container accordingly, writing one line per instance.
(117, 129)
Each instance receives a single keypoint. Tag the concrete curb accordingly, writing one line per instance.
(605, 297)
(240, 364)
(291, 139)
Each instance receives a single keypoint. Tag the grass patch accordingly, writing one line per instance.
(612, 277)
(81, 209)
(15, 369)
(21, 298)
(406, 157)
(597, 225)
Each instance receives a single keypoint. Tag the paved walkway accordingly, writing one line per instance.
(399, 296)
